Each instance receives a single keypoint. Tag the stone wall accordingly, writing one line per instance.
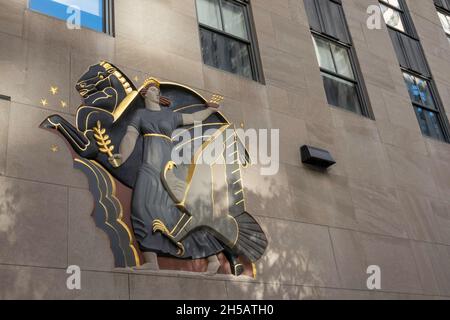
(386, 202)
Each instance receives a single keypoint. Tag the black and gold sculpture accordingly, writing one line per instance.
(145, 202)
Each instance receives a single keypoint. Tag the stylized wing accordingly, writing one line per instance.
(213, 196)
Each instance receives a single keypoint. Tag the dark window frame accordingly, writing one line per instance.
(361, 90)
(410, 29)
(108, 19)
(109, 26)
(439, 111)
(251, 42)
(446, 13)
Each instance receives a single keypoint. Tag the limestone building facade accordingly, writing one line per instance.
(386, 202)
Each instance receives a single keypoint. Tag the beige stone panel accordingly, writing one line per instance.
(252, 92)
(292, 133)
(280, 8)
(46, 30)
(400, 111)
(263, 25)
(378, 209)
(283, 101)
(441, 175)
(5, 107)
(263, 194)
(129, 19)
(46, 67)
(403, 138)
(441, 210)
(258, 291)
(297, 254)
(301, 103)
(355, 252)
(363, 155)
(298, 13)
(146, 287)
(159, 63)
(49, 31)
(293, 38)
(33, 223)
(320, 198)
(412, 171)
(12, 16)
(420, 219)
(88, 246)
(12, 65)
(377, 103)
(30, 154)
(172, 31)
(137, 18)
(25, 283)
(433, 263)
(378, 41)
(375, 69)
(261, 291)
(221, 82)
(282, 69)
(29, 70)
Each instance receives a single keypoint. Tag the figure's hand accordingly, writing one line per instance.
(115, 160)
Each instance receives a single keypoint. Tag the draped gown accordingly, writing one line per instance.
(151, 200)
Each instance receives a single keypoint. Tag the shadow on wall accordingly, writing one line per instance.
(288, 263)
(8, 211)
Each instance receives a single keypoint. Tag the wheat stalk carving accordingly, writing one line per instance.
(103, 141)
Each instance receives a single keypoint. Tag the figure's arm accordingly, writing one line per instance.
(200, 116)
(126, 147)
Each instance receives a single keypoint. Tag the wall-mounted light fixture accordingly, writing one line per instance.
(2, 97)
(316, 157)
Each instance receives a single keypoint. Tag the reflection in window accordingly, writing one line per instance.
(392, 18)
(225, 53)
(337, 73)
(424, 106)
(341, 93)
(225, 36)
(94, 14)
(395, 16)
(419, 91)
(445, 21)
(429, 123)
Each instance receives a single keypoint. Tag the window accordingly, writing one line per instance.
(424, 105)
(444, 17)
(338, 75)
(393, 14)
(396, 17)
(227, 38)
(94, 14)
(336, 57)
(416, 73)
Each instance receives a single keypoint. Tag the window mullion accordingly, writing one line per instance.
(221, 15)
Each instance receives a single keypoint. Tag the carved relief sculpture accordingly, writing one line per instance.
(157, 213)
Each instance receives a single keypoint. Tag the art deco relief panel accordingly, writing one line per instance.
(158, 213)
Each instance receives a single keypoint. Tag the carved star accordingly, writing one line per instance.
(63, 104)
(54, 90)
(54, 148)
(44, 102)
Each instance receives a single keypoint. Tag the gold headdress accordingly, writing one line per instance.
(151, 81)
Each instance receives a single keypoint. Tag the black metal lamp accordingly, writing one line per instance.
(317, 157)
